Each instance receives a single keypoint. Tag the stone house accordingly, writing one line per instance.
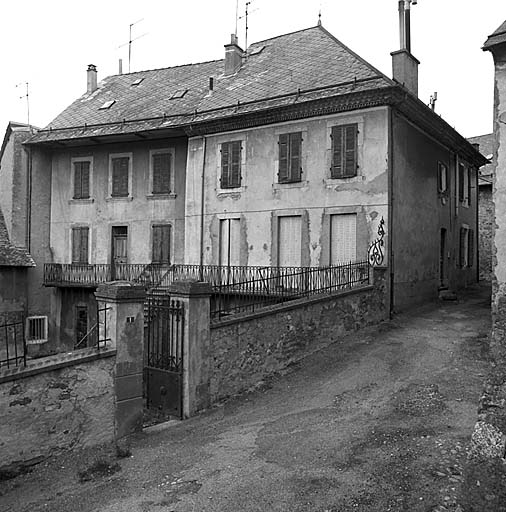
(291, 153)
(496, 45)
(485, 206)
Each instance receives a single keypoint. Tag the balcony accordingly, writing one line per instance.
(91, 275)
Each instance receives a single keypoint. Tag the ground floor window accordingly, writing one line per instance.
(289, 241)
(343, 238)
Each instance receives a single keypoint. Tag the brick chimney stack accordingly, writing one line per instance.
(233, 56)
(91, 78)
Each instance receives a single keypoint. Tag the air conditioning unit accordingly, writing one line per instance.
(36, 330)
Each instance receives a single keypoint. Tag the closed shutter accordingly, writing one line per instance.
(231, 164)
(161, 243)
(235, 177)
(229, 242)
(289, 241)
(462, 247)
(350, 151)
(80, 245)
(81, 180)
(337, 152)
(225, 165)
(295, 156)
(344, 151)
(161, 173)
(343, 238)
(469, 186)
(470, 248)
(461, 183)
(120, 177)
(283, 173)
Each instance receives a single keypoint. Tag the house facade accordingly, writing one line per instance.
(291, 153)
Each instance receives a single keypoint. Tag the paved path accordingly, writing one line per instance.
(377, 422)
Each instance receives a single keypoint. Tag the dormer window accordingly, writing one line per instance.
(178, 94)
(137, 82)
(107, 105)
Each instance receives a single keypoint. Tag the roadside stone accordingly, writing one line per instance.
(487, 441)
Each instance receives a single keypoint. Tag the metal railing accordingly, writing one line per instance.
(12, 344)
(83, 274)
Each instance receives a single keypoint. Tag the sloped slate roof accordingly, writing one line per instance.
(301, 63)
(498, 37)
(486, 143)
(10, 255)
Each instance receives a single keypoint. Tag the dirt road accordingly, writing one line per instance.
(377, 422)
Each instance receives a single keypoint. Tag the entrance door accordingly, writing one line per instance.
(119, 254)
(443, 280)
(81, 326)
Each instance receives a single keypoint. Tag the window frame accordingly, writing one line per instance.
(79, 261)
(113, 156)
(332, 217)
(291, 175)
(343, 128)
(442, 190)
(466, 247)
(464, 187)
(230, 163)
(221, 222)
(170, 242)
(73, 161)
(151, 192)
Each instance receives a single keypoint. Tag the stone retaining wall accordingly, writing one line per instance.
(246, 351)
(56, 403)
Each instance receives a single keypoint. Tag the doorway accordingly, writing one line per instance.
(443, 279)
(119, 253)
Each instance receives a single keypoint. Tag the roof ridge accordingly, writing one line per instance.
(283, 35)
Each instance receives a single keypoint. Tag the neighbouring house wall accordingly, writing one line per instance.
(60, 405)
(13, 284)
(138, 212)
(420, 212)
(244, 352)
(486, 220)
(261, 199)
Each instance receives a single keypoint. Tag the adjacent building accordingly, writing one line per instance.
(291, 153)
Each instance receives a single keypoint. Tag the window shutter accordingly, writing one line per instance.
(461, 183)
(76, 240)
(462, 258)
(283, 158)
(161, 243)
(343, 238)
(289, 241)
(77, 180)
(337, 152)
(84, 246)
(295, 156)
(225, 166)
(120, 177)
(235, 176)
(469, 186)
(161, 173)
(350, 151)
(85, 180)
(470, 248)
(165, 252)
(156, 251)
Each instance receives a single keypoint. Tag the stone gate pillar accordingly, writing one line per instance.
(125, 330)
(195, 297)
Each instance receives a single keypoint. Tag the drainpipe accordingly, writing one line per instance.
(390, 211)
(201, 267)
(28, 223)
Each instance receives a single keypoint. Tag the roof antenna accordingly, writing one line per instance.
(320, 15)
(130, 41)
(247, 12)
(432, 101)
(236, 16)
(26, 95)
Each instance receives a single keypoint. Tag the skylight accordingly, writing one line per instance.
(256, 51)
(138, 81)
(107, 104)
(178, 94)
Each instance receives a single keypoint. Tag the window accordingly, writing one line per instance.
(120, 170)
(229, 242)
(343, 238)
(469, 185)
(289, 241)
(107, 105)
(81, 179)
(161, 168)
(442, 178)
(464, 185)
(80, 245)
(344, 151)
(466, 256)
(36, 329)
(231, 164)
(290, 148)
(161, 243)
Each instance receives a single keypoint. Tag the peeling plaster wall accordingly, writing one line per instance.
(55, 410)
(261, 197)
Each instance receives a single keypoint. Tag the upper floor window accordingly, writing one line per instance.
(231, 164)
(80, 244)
(466, 252)
(464, 185)
(120, 175)
(442, 178)
(290, 149)
(81, 178)
(344, 151)
(161, 172)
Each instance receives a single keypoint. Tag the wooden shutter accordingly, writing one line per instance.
(120, 177)
(161, 173)
(337, 152)
(470, 248)
(350, 151)
(461, 183)
(295, 156)
(77, 180)
(283, 172)
(225, 165)
(229, 242)
(462, 247)
(161, 243)
(231, 164)
(80, 245)
(81, 180)
(235, 175)
(289, 241)
(469, 185)
(343, 238)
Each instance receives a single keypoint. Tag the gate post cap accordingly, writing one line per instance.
(121, 291)
(190, 287)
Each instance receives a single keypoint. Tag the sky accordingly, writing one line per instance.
(50, 43)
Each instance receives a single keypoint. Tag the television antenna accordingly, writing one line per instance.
(27, 96)
(247, 12)
(130, 41)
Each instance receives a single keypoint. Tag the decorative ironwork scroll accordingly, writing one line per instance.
(376, 253)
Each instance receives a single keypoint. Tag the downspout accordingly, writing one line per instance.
(201, 266)
(390, 212)
(477, 230)
(28, 223)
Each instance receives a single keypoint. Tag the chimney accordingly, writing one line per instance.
(404, 65)
(91, 78)
(120, 67)
(233, 56)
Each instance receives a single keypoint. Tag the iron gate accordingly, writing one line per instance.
(164, 355)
